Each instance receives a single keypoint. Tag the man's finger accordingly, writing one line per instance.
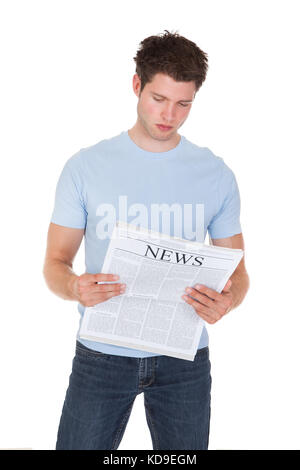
(227, 285)
(212, 294)
(203, 299)
(97, 299)
(201, 310)
(105, 288)
(100, 277)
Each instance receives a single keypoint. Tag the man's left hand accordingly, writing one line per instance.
(208, 303)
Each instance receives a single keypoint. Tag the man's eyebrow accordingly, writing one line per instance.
(180, 101)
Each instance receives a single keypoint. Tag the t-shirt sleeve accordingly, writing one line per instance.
(226, 222)
(69, 206)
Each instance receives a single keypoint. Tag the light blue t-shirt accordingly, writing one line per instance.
(183, 192)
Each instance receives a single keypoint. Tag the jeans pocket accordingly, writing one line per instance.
(84, 351)
(202, 354)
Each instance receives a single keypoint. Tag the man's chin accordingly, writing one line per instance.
(163, 135)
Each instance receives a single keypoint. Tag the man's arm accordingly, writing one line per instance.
(211, 305)
(239, 279)
(62, 246)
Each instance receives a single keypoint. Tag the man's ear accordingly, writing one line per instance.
(136, 84)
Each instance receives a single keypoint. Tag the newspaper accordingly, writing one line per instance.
(156, 268)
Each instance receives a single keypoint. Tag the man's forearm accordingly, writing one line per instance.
(59, 277)
(239, 287)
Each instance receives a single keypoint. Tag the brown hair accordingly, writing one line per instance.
(173, 55)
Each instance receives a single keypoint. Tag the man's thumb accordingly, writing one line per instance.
(227, 285)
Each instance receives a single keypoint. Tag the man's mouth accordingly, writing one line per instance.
(164, 128)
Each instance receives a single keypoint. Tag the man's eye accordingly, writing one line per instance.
(160, 100)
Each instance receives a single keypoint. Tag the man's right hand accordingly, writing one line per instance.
(89, 293)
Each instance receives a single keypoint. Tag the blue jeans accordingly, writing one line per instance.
(102, 389)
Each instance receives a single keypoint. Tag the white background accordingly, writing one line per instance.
(66, 83)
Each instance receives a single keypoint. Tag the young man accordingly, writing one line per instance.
(150, 165)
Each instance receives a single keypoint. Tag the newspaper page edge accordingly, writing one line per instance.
(189, 357)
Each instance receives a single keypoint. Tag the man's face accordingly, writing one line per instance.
(163, 102)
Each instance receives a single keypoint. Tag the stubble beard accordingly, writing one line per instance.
(155, 133)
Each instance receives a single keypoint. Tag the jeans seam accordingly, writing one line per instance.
(209, 414)
(156, 442)
(121, 426)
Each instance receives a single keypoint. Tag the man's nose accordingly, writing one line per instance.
(168, 113)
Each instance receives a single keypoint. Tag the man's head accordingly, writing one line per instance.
(169, 71)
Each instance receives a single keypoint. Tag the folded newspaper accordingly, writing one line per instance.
(156, 268)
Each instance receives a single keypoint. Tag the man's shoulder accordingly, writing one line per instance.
(103, 145)
(203, 154)
(94, 152)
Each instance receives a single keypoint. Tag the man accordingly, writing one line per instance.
(149, 165)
